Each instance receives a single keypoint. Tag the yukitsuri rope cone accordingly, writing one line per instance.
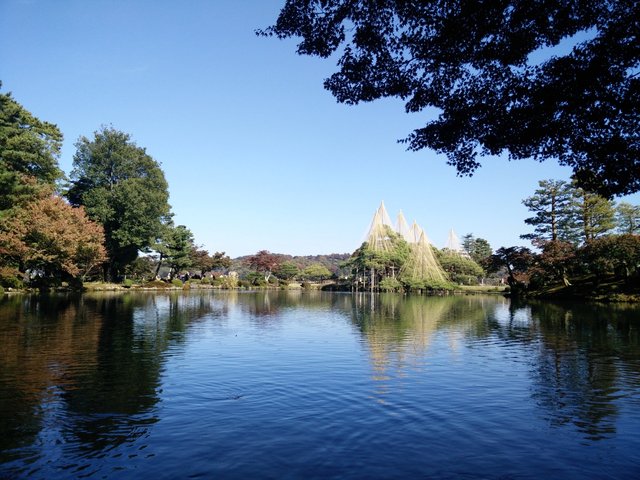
(422, 265)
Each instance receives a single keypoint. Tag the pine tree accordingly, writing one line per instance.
(551, 204)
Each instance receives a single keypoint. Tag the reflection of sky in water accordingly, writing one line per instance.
(312, 384)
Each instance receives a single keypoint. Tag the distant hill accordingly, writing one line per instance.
(332, 261)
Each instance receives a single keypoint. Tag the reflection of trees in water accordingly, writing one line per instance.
(585, 355)
(588, 354)
(86, 368)
(39, 338)
(398, 330)
(265, 307)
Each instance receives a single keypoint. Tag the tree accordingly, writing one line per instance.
(478, 249)
(459, 268)
(316, 272)
(517, 261)
(287, 271)
(50, 238)
(122, 188)
(488, 69)
(178, 249)
(613, 254)
(628, 218)
(550, 205)
(593, 215)
(264, 262)
(554, 262)
(142, 268)
(204, 262)
(29, 151)
(379, 264)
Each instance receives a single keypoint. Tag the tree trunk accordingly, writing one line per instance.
(373, 273)
(159, 265)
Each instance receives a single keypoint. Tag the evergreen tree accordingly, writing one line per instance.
(551, 206)
(287, 270)
(593, 215)
(628, 218)
(29, 151)
(179, 249)
(478, 249)
(316, 272)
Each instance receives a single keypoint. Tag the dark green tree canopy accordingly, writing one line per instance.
(122, 188)
(179, 249)
(551, 204)
(478, 249)
(29, 151)
(479, 64)
(287, 271)
(28, 145)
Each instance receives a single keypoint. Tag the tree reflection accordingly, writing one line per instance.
(399, 330)
(584, 357)
(583, 349)
(86, 370)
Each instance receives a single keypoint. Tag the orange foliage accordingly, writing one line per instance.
(50, 235)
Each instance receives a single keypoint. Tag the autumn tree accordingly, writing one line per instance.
(29, 152)
(50, 238)
(203, 261)
(490, 71)
(264, 262)
(122, 188)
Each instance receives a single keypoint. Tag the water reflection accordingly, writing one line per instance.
(587, 361)
(582, 358)
(399, 330)
(86, 378)
(84, 370)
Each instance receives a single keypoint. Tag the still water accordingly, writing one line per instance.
(316, 385)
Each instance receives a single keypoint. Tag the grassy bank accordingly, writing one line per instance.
(590, 288)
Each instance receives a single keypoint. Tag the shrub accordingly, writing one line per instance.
(156, 284)
(227, 282)
(256, 279)
(1, 290)
(390, 284)
(176, 282)
(128, 283)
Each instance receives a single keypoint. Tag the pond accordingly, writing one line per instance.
(309, 385)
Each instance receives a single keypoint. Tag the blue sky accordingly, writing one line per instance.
(257, 154)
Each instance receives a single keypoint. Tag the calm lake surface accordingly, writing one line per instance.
(316, 385)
